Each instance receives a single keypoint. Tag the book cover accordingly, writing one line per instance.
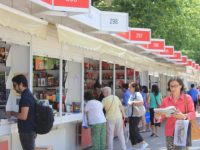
(2, 78)
(39, 64)
(2, 54)
(43, 81)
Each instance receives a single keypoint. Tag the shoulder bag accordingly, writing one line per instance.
(156, 100)
(138, 110)
(109, 107)
(193, 128)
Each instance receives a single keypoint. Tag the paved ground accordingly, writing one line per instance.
(156, 143)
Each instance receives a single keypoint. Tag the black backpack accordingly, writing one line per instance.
(44, 117)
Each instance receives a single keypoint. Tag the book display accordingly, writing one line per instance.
(3, 95)
(2, 54)
(46, 84)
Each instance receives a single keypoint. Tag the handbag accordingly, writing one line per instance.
(138, 110)
(193, 128)
(156, 101)
(109, 107)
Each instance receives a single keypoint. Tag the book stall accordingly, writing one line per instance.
(62, 63)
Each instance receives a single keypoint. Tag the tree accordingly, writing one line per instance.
(176, 21)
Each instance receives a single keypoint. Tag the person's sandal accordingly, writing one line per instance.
(148, 130)
(142, 131)
(157, 135)
(152, 134)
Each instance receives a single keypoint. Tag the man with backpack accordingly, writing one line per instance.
(26, 112)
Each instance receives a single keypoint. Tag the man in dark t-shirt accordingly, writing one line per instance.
(26, 111)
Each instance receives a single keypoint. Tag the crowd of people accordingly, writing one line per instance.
(108, 113)
(116, 112)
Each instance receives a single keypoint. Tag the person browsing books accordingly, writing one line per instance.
(176, 99)
(97, 121)
(111, 103)
(27, 134)
(154, 96)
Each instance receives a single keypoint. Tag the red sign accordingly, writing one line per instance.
(177, 55)
(47, 1)
(140, 35)
(197, 67)
(189, 63)
(137, 35)
(184, 60)
(65, 5)
(157, 45)
(72, 3)
(193, 64)
(169, 51)
(145, 46)
(124, 35)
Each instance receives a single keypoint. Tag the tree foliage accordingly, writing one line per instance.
(176, 21)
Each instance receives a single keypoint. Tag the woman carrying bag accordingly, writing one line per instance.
(111, 103)
(176, 99)
(135, 99)
(154, 101)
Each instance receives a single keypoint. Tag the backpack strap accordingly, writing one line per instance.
(29, 109)
(133, 104)
(109, 107)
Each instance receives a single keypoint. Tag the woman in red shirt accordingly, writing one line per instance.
(175, 86)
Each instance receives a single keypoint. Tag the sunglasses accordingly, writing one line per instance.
(14, 85)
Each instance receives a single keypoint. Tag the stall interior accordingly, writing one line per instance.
(4, 72)
(46, 84)
(109, 75)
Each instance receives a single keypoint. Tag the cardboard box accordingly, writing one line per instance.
(44, 148)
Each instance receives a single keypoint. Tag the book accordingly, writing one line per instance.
(2, 54)
(166, 111)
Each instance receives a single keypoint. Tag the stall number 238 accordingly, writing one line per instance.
(113, 21)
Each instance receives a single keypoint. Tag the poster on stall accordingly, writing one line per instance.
(75, 80)
(14, 93)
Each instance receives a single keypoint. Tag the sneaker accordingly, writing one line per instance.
(131, 148)
(144, 146)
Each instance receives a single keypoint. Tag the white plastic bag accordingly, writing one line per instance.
(180, 134)
(127, 135)
(85, 123)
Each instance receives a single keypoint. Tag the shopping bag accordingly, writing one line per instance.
(85, 123)
(180, 134)
(147, 116)
(127, 135)
(195, 130)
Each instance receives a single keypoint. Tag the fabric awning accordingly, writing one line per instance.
(73, 37)
(20, 21)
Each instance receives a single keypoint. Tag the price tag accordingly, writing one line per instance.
(114, 22)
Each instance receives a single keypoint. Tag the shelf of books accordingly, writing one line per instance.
(46, 87)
